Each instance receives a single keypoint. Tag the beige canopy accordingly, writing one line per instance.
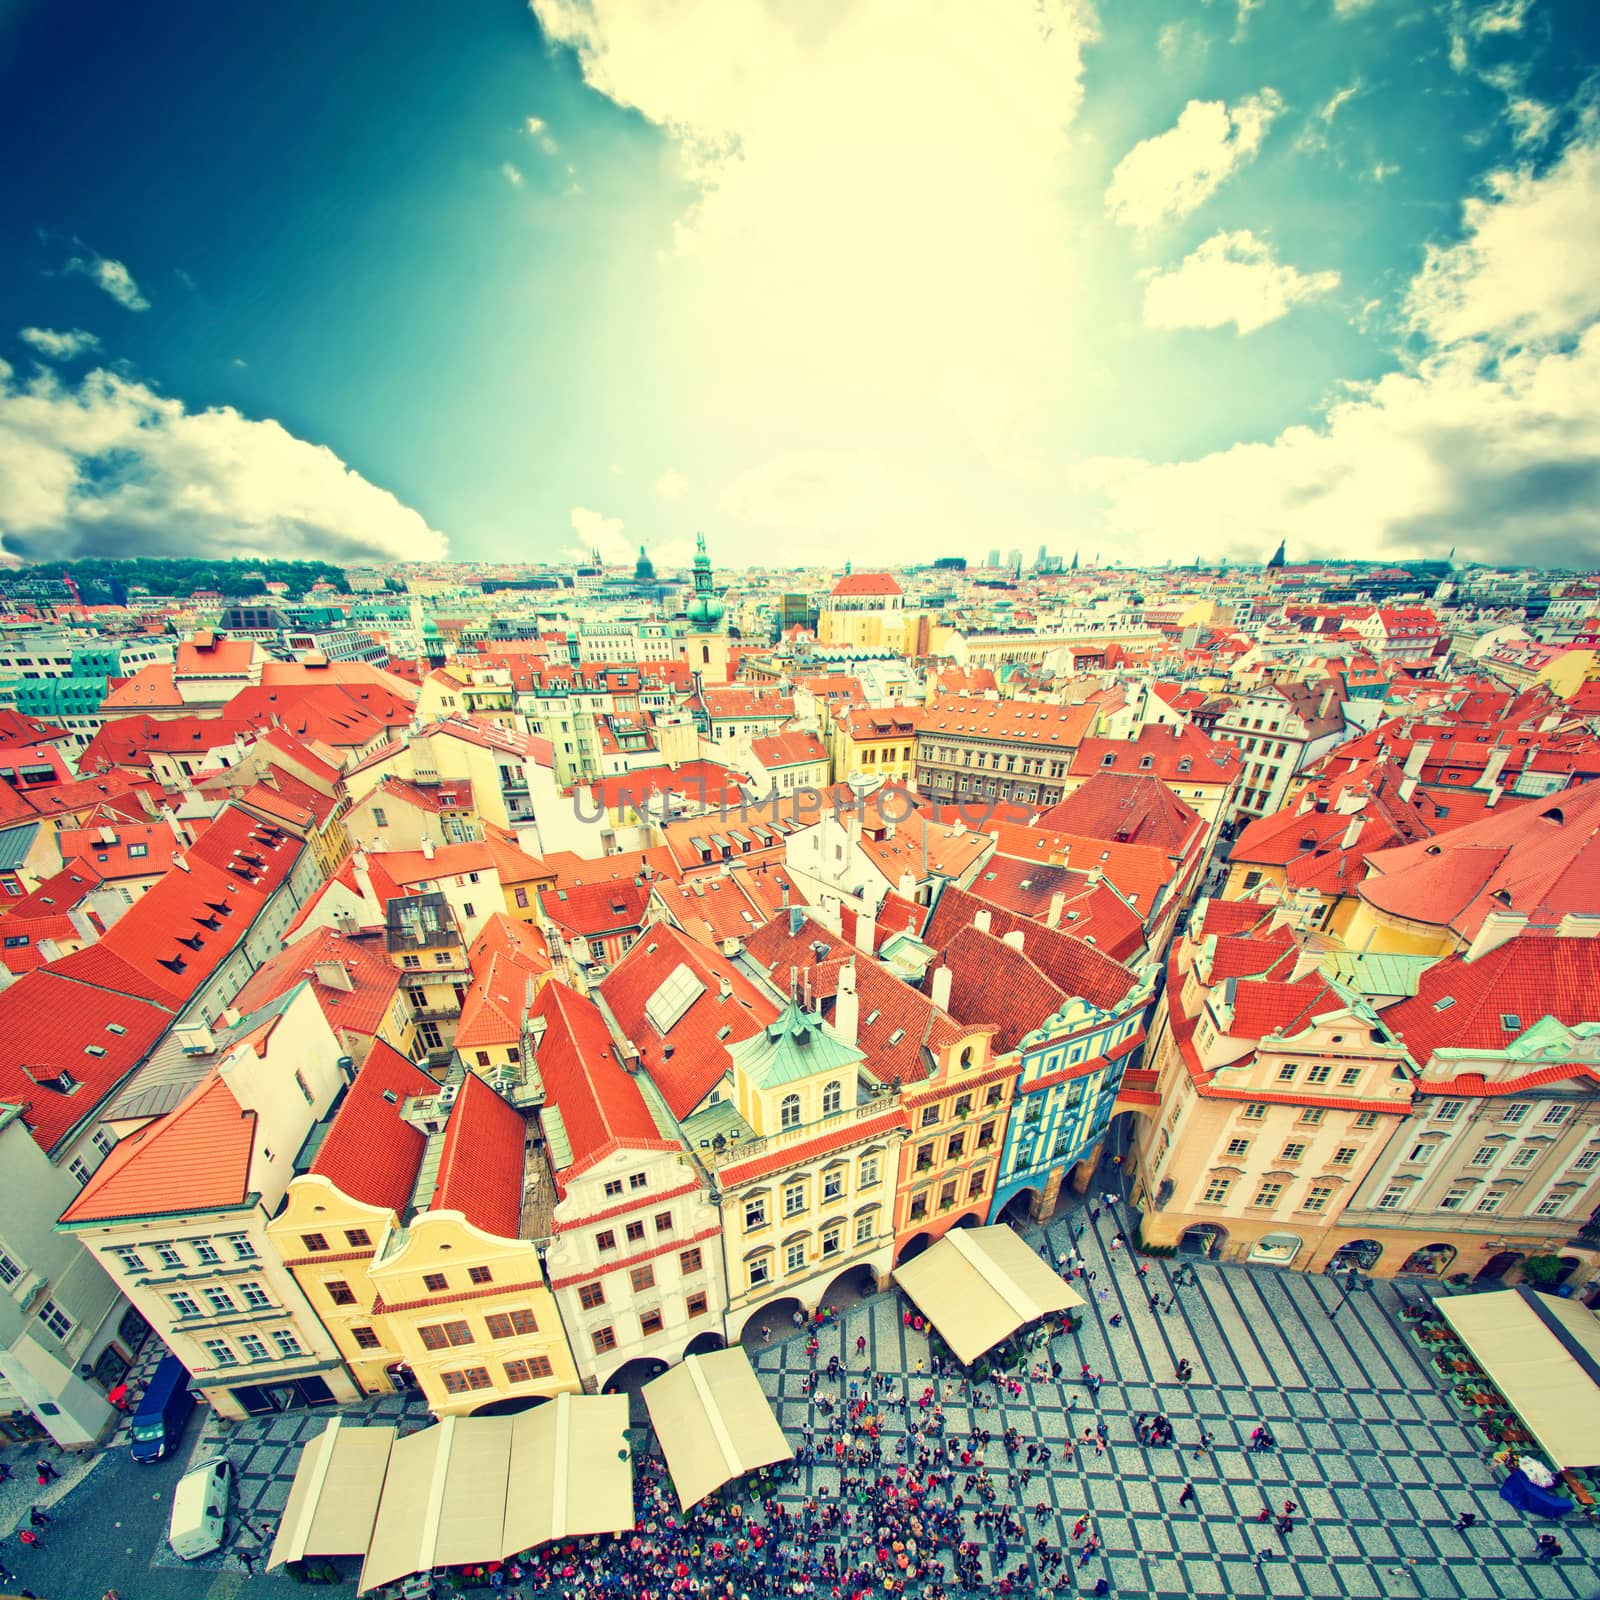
(1544, 1356)
(333, 1501)
(714, 1423)
(471, 1489)
(977, 1286)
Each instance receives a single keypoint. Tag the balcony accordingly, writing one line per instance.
(723, 1149)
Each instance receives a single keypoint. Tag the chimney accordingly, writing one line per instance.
(1014, 939)
(1418, 756)
(981, 921)
(1058, 903)
(1408, 787)
(846, 1006)
(427, 847)
(866, 931)
(941, 988)
(1493, 932)
(1493, 798)
(724, 988)
(332, 975)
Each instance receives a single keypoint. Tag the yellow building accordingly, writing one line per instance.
(877, 742)
(411, 1238)
(867, 611)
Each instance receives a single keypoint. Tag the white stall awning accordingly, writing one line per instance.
(333, 1501)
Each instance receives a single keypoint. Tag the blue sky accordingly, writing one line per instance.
(882, 277)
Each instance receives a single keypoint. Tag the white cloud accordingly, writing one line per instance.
(1232, 277)
(60, 345)
(1531, 120)
(1338, 100)
(512, 174)
(1489, 441)
(1382, 171)
(869, 205)
(1524, 269)
(1350, 8)
(822, 495)
(1243, 21)
(538, 130)
(1169, 41)
(1172, 174)
(112, 276)
(113, 468)
(672, 485)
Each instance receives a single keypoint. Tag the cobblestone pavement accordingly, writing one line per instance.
(1373, 1454)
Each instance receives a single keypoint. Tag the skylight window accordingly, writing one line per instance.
(897, 1036)
(676, 994)
(1511, 1022)
(872, 1017)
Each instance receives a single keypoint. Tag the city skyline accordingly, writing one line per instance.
(885, 284)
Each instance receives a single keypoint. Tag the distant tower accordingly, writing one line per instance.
(1074, 560)
(1275, 560)
(644, 570)
(707, 644)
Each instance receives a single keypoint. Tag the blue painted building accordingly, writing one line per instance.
(1069, 1071)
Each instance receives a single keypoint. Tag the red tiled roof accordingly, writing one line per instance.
(503, 978)
(1128, 809)
(866, 583)
(364, 961)
(600, 1104)
(195, 1158)
(206, 656)
(1165, 750)
(593, 910)
(1265, 1006)
(112, 859)
(481, 1166)
(698, 1057)
(1527, 978)
(790, 749)
(705, 782)
(371, 1153)
(1140, 871)
(1009, 721)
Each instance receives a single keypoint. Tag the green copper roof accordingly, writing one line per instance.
(793, 1048)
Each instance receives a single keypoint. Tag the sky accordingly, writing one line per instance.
(880, 280)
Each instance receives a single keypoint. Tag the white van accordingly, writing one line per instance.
(200, 1509)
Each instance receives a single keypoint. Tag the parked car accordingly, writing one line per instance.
(163, 1411)
(200, 1509)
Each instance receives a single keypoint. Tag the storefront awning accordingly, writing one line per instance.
(572, 1472)
(333, 1501)
(1543, 1354)
(714, 1423)
(977, 1286)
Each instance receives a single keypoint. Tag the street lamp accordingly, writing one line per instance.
(1354, 1279)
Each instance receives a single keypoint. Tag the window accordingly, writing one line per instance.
(638, 1180)
(634, 1233)
(242, 1249)
(794, 1199)
(205, 1251)
(340, 1293)
(255, 1348)
(1268, 1194)
(1453, 1200)
(755, 1213)
(1515, 1112)
(1391, 1198)
(1238, 1147)
(467, 1379)
(613, 1188)
(832, 1099)
(365, 1338)
(930, 1115)
(832, 1239)
(1312, 1115)
(606, 1240)
(794, 1256)
(760, 1270)
(642, 1278)
(1319, 1074)
(1484, 1156)
(411, 963)
(314, 1241)
(221, 1352)
(479, 1275)
(1254, 1112)
(1216, 1191)
(1448, 1110)
(1293, 1151)
(435, 1282)
(1524, 1156)
(1587, 1161)
(1551, 1205)
(975, 1185)
(1490, 1201)
(1349, 1077)
(507, 1324)
(1287, 1072)
(1367, 1119)
(441, 1335)
(527, 1370)
(789, 1112)
(1318, 1196)
(833, 1184)
(129, 1258)
(869, 1171)
(168, 1256)
(696, 1304)
(1554, 1116)
(221, 1302)
(591, 1296)
(184, 1304)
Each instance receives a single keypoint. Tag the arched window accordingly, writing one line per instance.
(789, 1112)
(832, 1099)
